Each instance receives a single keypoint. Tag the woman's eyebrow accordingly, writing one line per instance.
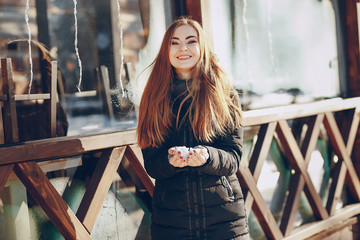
(190, 37)
(176, 38)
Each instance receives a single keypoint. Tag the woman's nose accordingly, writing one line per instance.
(183, 46)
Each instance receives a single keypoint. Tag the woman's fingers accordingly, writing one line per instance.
(198, 157)
(172, 151)
(176, 160)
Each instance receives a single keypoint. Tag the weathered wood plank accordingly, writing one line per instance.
(64, 146)
(44, 193)
(4, 175)
(99, 186)
(297, 161)
(134, 155)
(336, 228)
(308, 231)
(261, 210)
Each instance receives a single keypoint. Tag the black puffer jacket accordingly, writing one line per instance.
(203, 202)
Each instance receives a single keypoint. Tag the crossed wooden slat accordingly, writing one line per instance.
(341, 170)
(299, 159)
(346, 168)
(297, 181)
(77, 226)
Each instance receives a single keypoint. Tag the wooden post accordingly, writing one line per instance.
(199, 10)
(11, 132)
(353, 57)
(42, 22)
(53, 98)
(107, 91)
(352, 42)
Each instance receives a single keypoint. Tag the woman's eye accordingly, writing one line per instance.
(192, 42)
(174, 43)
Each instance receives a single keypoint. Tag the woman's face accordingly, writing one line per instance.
(184, 50)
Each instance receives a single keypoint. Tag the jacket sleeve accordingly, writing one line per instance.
(157, 164)
(224, 155)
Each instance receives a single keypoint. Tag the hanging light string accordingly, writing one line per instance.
(121, 49)
(29, 42)
(76, 47)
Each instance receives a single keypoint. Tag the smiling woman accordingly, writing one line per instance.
(191, 138)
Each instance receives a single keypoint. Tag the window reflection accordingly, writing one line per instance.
(278, 53)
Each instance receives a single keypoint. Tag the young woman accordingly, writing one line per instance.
(190, 134)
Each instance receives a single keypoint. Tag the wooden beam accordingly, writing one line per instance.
(134, 155)
(309, 231)
(64, 146)
(44, 193)
(262, 116)
(99, 186)
(336, 229)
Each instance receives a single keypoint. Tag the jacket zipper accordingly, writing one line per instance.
(196, 205)
(194, 190)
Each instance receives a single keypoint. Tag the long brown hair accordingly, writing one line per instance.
(214, 109)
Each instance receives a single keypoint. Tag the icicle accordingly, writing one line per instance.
(245, 22)
(76, 46)
(29, 41)
(121, 49)
(269, 33)
(247, 38)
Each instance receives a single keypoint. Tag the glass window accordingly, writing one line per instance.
(268, 49)
(100, 46)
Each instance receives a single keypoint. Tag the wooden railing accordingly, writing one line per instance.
(26, 159)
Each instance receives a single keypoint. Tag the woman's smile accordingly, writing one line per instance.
(184, 57)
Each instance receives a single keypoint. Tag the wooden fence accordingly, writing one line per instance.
(24, 159)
